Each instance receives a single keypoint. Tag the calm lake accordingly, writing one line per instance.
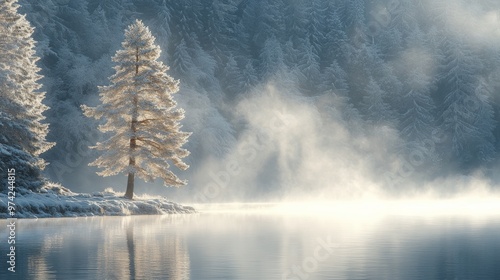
(258, 244)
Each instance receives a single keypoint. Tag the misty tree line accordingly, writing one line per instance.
(397, 63)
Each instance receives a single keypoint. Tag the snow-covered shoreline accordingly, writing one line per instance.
(54, 201)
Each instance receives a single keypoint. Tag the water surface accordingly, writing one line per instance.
(258, 245)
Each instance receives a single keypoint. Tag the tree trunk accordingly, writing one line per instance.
(130, 186)
(131, 162)
(133, 145)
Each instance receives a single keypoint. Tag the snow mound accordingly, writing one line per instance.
(54, 200)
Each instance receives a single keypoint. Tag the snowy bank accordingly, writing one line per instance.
(56, 201)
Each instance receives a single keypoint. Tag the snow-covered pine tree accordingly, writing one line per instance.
(334, 78)
(484, 144)
(467, 116)
(295, 23)
(182, 62)
(315, 33)
(233, 80)
(335, 38)
(374, 107)
(271, 58)
(249, 77)
(416, 105)
(141, 115)
(354, 13)
(218, 19)
(417, 121)
(309, 72)
(21, 107)
(269, 22)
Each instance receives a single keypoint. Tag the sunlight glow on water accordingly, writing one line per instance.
(346, 240)
(461, 206)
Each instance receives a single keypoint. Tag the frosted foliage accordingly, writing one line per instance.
(417, 121)
(417, 106)
(271, 57)
(374, 106)
(139, 113)
(468, 116)
(21, 104)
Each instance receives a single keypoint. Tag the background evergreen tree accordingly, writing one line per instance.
(374, 107)
(466, 113)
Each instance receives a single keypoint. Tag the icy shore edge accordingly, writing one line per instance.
(54, 201)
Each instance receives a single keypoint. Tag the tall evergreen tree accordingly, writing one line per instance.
(334, 79)
(374, 107)
(182, 62)
(467, 115)
(160, 24)
(269, 21)
(315, 35)
(417, 106)
(295, 23)
(334, 37)
(185, 19)
(249, 78)
(218, 18)
(309, 72)
(271, 58)
(232, 82)
(417, 121)
(139, 111)
(354, 13)
(485, 123)
(21, 107)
